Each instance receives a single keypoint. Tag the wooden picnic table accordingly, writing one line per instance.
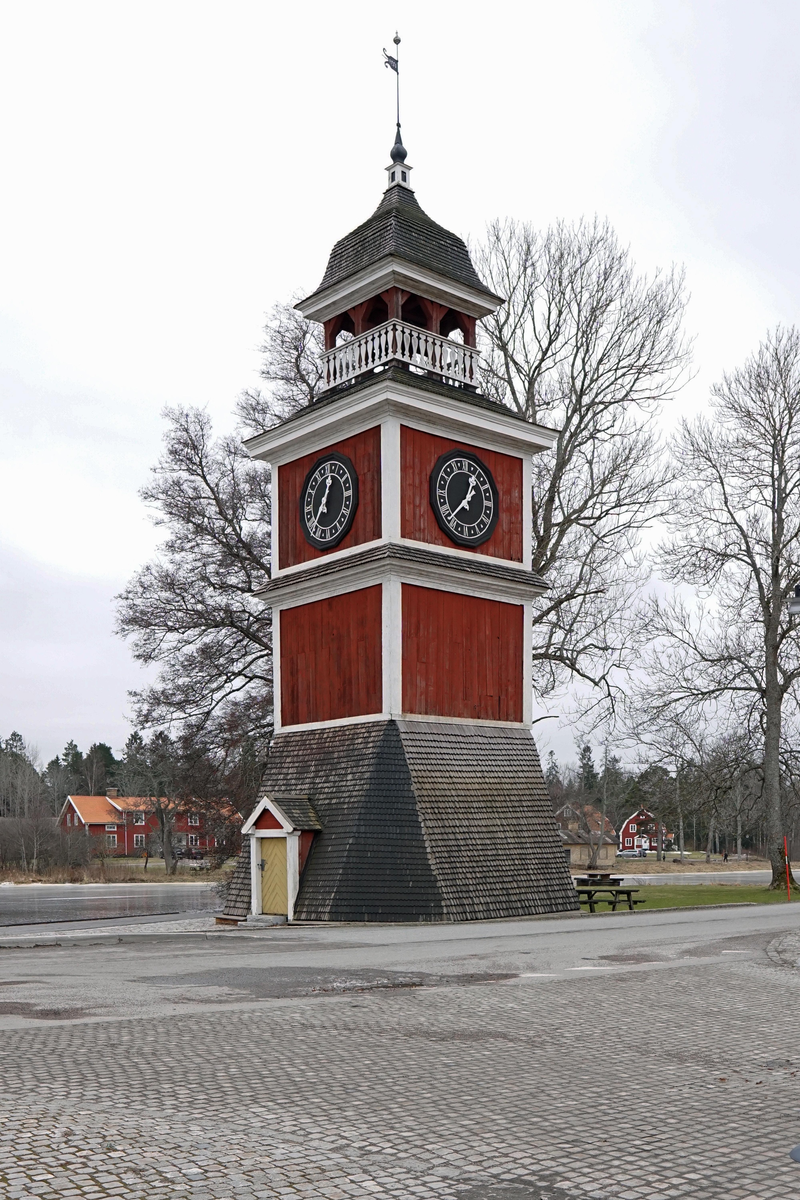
(606, 893)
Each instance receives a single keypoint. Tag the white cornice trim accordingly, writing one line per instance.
(422, 718)
(453, 552)
(354, 411)
(441, 576)
(397, 272)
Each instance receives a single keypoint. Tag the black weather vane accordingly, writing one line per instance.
(393, 62)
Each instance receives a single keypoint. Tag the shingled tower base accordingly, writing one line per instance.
(423, 821)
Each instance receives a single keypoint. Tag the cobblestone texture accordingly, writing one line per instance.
(525, 1089)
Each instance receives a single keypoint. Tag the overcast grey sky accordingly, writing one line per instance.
(172, 169)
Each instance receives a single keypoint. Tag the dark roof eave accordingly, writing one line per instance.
(322, 291)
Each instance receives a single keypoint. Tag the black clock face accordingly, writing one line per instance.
(328, 500)
(464, 498)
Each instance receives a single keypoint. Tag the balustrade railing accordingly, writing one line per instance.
(397, 342)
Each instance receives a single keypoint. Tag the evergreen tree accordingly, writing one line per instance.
(552, 775)
(553, 781)
(588, 773)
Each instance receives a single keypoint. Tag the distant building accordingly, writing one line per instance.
(640, 832)
(127, 825)
(579, 826)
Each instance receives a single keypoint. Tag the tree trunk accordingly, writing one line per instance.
(772, 769)
(596, 849)
(710, 843)
(659, 839)
(170, 862)
(738, 836)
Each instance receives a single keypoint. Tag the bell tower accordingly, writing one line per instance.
(403, 777)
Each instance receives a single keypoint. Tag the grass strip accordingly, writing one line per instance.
(675, 895)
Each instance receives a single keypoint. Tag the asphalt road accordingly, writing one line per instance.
(113, 976)
(490, 1061)
(38, 903)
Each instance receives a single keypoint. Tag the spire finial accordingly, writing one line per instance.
(398, 152)
(392, 61)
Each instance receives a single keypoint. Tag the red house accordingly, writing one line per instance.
(640, 832)
(126, 825)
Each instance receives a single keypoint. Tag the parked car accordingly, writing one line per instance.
(628, 854)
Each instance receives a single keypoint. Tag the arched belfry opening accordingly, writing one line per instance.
(413, 313)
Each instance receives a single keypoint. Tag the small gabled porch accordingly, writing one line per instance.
(281, 830)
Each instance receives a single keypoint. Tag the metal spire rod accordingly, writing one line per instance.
(392, 61)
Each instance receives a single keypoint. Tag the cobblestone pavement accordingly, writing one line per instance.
(679, 1082)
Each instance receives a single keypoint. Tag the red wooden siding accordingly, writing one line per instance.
(331, 658)
(462, 656)
(364, 449)
(268, 820)
(306, 838)
(418, 454)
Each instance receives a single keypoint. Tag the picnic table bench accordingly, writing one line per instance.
(602, 889)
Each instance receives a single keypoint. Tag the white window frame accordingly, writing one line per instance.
(139, 840)
(193, 818)
(193, 839)
(111, 840)
(628, 841)
(138, 818)
(109, 828)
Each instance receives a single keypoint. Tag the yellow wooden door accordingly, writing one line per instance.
(274, 887)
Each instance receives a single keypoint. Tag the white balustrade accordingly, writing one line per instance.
(397, 342)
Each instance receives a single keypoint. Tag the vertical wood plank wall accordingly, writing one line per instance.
(418, 454)
(268, 820)
(462, 656)
(364, 449)
(331, 658)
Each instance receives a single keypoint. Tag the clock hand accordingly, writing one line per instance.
(323, 508)
(473, 483)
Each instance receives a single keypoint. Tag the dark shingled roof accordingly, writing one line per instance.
(298, 810)
(423, 821)
(480, 566)
(237, 892)
(399, 228)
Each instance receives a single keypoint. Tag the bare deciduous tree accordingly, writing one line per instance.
(585, 344)
(160, 772)
(22, 791)
(291, 367)
(191, 610)
(734, 658)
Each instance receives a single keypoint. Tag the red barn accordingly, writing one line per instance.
(640, 832)
(127, 825)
